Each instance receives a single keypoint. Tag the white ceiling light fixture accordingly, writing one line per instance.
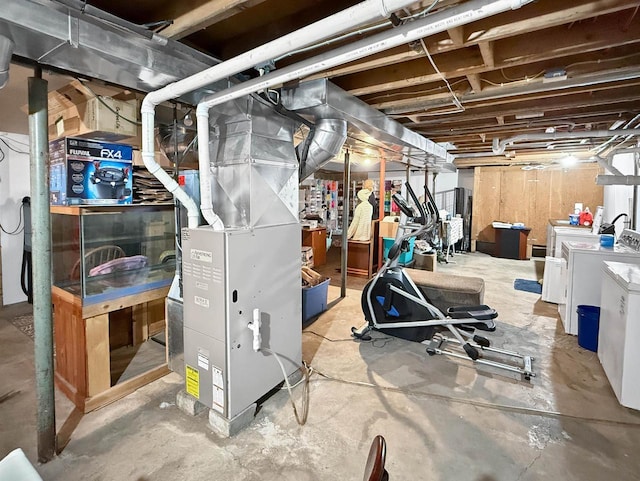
(530, 115)
(568, 161)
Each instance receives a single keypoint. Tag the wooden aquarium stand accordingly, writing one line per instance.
(86, 336)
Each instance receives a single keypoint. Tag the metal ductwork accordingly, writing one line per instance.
(318, 100)
(322, 145)
(6, 51)
(253, 165)
(78, 38)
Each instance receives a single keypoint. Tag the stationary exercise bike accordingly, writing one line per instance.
(393, 304)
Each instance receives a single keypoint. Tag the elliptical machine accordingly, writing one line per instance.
(393, 304)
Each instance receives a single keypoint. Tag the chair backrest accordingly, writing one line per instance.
(374, 470)
(95, 257)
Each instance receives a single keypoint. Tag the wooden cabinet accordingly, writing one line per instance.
(362, 256)
(317, 240)
(511, 243)
(510, 194)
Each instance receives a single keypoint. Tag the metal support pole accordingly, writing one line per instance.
(346, 186)
(383, 194)
(634, 210)
(41, 235)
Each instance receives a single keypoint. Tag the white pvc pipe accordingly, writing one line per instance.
(359, 14)
(438, 22)
(499, 147)
(206, 203)
(148, 157)
(435, 23)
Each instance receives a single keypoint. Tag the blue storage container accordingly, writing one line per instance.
(405, 257)
(314, 300)
(588, 327)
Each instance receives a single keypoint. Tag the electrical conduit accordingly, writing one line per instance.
(342, 21)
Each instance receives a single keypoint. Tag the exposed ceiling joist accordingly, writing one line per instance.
(205, 15)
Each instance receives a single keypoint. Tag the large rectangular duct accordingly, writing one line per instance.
(321, 99)
(253, 164)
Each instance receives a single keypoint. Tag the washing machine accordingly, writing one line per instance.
(559, 233)
(583, 282)
(620, 330)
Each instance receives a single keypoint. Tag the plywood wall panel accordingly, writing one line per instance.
(533, 197)
(486, 202)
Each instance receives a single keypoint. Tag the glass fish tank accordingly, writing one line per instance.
(101, 253)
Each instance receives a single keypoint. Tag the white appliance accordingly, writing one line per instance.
(556, 235)
(620, 330)
(555, 272)
(584, 279)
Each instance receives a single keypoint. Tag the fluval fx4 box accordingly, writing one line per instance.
(87, 171)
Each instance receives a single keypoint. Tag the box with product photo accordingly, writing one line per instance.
(84, 171)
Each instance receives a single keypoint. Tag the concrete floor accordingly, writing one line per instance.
(442, 419)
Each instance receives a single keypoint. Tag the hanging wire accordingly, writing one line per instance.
(454, 98)
(20, 227)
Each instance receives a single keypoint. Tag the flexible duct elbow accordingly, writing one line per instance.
(6, 51)
(328, 138)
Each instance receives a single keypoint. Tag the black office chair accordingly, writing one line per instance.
(374, 470)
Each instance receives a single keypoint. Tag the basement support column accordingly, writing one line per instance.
(346, 186)
(383, 169)
(634, 202)
(41, 235)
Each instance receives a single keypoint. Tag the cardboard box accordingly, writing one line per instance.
(84, 171)
(75, 111)
(162, 160)
(388, 227)
(307, 256)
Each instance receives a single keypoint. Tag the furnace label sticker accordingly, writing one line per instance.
(202, 285)
(218, 389)
(193, 381)
(202, 256)
(201, 301)
(203, 359)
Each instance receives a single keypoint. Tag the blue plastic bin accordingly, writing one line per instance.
(405, 257)
(588, 327)
(314, 300)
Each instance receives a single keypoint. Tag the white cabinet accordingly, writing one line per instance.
(620, 330)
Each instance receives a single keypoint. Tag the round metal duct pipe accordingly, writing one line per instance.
(328, 138)
(6, 51)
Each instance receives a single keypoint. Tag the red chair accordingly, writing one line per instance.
(374, 470)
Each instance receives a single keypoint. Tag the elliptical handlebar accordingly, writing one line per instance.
(432, 203)
(423, 214)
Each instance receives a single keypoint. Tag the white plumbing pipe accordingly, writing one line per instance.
(499, 146)
(435, 23)
(148, 157)
(359, 14)
(438, 22)
(206, 203)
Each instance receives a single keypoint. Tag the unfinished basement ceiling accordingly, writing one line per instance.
(550, 66)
